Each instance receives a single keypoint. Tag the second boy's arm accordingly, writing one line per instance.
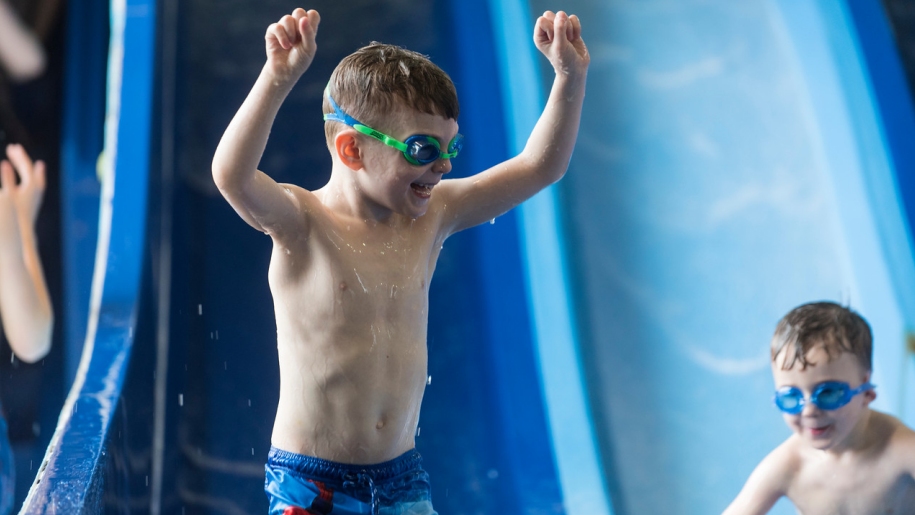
(257, 198)
(546, 155)
(25, 306)
(765, 486)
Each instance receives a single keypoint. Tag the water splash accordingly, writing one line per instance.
(366, 290)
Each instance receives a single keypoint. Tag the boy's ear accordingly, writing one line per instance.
(346, 144)
(871, 394)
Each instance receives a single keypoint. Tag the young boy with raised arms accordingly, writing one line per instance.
(352, 261)
(843, 458)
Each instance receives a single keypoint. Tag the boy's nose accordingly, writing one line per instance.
(810, 409)
(442, 166)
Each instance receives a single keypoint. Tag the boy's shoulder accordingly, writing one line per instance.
(899, 438)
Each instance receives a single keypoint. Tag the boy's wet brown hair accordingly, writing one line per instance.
(835, 328)
(379, 80)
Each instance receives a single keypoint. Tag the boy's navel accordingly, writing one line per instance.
(380, 424)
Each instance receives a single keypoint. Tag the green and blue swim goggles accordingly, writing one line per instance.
(418, 150)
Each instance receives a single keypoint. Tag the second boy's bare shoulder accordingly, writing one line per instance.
(900, 449)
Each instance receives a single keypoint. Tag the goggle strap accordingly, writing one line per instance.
(384, 138)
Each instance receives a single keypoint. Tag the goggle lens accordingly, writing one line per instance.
(422, 149)
(789, 400)
(830, 396)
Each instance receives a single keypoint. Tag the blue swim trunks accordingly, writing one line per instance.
(303, 485)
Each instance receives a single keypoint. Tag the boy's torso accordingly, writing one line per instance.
(351, 303)
(868, 483)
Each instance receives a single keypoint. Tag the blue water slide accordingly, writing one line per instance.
(602, 349)
(736, 159)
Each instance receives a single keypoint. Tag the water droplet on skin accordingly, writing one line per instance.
(288, 252)
(429, 380)
(492, 222)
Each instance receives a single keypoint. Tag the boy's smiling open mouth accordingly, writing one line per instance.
(422, 189)
(819, 431)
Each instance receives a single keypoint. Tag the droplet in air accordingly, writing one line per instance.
(199, 309)
(429, 380)
(180, 399)
(147, 480)
(417, 430)
(217, 334)
(252, 451)
(492, 222)
(492, 474)
(249, 403)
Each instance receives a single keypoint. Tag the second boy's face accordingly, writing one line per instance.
(825, 429)
(395, 183)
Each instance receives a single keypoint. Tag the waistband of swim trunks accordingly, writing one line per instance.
(317, 467)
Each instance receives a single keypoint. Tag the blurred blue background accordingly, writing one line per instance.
(602, 349)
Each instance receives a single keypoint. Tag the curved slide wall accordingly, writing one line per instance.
(726, 171)
(732, 164)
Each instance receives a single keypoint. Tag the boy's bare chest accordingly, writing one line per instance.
(867, 487)
(356, 275)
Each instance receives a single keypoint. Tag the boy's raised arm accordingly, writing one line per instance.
(257, 198)
(546, 155)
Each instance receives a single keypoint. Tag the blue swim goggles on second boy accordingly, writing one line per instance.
(829, 396)
(418, 150)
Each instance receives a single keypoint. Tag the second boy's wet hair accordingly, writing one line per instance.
(834, 328)
(378, 79)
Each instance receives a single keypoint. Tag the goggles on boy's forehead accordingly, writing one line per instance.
(829, 396)
(418, 150)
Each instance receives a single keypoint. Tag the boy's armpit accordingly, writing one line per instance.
(272, 208)
(905, 449)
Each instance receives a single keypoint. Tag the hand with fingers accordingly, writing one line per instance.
(558, 37)
(291, 44)
(27, 195)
